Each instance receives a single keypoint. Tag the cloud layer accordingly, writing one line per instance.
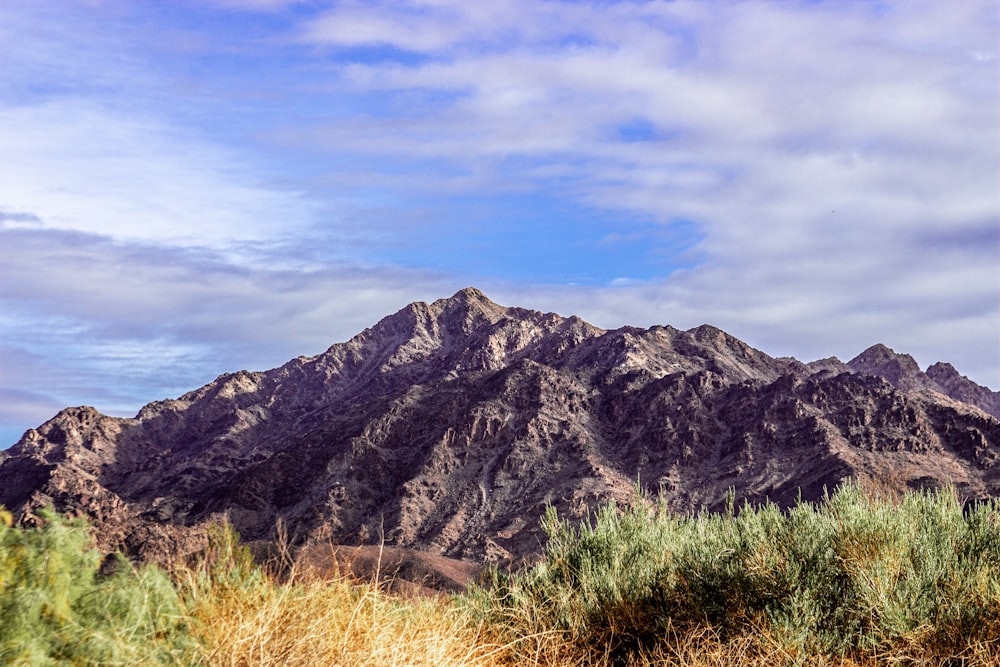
(190, 189)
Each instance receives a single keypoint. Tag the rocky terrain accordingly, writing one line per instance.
(449, 427)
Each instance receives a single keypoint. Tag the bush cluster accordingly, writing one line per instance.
(854, 578)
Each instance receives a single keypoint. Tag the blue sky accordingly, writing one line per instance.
(191, 188)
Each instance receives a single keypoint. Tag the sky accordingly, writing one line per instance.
(194, 188)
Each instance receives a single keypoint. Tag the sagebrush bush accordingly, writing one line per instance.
(56, 608)
(854, 577)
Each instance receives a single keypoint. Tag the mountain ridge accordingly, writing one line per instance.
(450, 426)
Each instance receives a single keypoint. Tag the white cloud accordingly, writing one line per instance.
(121, 291)
(80, 167)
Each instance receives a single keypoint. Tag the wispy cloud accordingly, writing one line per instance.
(106, 290)
(18, 219)
(131, 177)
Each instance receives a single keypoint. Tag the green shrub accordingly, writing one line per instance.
(855, 577)
(56, 608)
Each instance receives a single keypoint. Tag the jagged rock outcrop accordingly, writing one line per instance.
(963, 389)
(450, 427)
(902, 371)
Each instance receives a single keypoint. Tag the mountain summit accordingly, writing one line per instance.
(451, 426)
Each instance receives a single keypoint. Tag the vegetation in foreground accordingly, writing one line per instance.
(856, 580)
(58, 608)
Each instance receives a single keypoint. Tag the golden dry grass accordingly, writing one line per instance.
(338, 623)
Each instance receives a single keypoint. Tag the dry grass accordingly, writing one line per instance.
(247, 617)
(337, 623)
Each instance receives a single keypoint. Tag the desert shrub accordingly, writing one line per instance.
(56, 608)
(854, 577)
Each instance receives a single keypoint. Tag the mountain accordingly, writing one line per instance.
(450, 426)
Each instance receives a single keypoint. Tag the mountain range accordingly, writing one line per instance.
(449, 427)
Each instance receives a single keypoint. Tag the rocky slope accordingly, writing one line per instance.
(450, 427)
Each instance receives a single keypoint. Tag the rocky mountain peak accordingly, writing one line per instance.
(472, 299)
(901, 370)
(477, 313)
(879, 355)
(467, 310)
(733, 358)
(963, 389)
(452, 318)
(943, 373)
(450, 427)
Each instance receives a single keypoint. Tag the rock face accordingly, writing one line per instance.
(450, 426)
